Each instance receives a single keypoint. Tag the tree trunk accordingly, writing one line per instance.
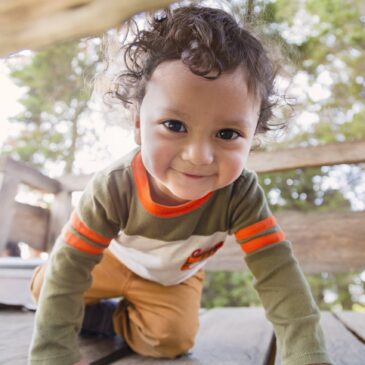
(249, 11)
(70, 159)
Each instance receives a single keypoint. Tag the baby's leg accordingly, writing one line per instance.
(157, 320)
(108, 279)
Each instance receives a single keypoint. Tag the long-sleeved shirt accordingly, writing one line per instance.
(169, 244)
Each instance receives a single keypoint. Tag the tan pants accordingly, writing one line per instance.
(158, 321)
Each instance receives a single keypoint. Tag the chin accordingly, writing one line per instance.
(189, 196)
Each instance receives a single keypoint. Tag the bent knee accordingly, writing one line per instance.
(176, 339)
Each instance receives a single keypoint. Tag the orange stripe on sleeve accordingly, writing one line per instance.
(255, 228)
(80, 244)
(263, 241)
(83, 229)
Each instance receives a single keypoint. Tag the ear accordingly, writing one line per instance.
(137, 130)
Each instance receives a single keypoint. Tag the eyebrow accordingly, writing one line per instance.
(237, 123)
(180, 113)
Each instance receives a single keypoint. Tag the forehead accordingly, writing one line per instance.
(174, 87)
(174, 74)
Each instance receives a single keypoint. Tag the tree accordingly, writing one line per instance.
(55, 99)
(323, 46)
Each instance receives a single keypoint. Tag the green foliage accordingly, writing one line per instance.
(300, 190)
(229, 289)
(56, 97)
(333, 46)
(333, 290)
(329, 53)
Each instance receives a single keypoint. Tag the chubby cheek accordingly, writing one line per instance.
(157, 158)
(232, 167)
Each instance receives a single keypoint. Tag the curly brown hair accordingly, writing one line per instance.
(208, 41)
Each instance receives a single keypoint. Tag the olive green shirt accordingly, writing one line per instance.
(168, 245)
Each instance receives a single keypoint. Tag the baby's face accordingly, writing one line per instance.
(195, 134)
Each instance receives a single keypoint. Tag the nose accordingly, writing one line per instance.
(198, 153)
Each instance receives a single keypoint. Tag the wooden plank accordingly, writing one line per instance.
(227, 336)
(60, 213)
(355, 322)
(8, 191)
(28, 175)
(34, 23)
(30, 225)
(74, 182)
(16, 332)
(343, 347)
(335, 243)
(93, 349)
(273, 161)
(331, 242)
(233, 336)
(296, 158)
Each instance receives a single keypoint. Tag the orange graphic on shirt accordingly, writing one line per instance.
(200, 255)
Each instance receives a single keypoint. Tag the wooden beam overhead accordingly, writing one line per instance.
(32, 24)
(304, 157)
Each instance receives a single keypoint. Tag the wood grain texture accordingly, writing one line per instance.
(343, 347)
(297, 158)
(34, 24)
(59, 215)
(28, 175)
(331, 242)
(8, 190)
(355, 322)
(74, 182)
(334, 243)
(16, 332)
(274, 161)
(30, 225)
(227, 336)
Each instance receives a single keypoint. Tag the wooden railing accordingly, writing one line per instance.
(333, 242)
(34, 225)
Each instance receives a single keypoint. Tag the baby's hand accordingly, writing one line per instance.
(81, 362)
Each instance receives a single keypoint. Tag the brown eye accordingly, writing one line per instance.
(175, 126)
(228, 134)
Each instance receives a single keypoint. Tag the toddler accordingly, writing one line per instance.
(199, 87)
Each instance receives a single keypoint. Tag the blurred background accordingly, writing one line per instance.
(51, 119)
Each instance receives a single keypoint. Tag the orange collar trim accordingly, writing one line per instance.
(144, 194)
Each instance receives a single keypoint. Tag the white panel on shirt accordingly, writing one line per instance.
(167, 263)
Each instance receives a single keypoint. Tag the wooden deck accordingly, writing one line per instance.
(227, 336)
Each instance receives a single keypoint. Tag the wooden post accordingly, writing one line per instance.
(60, 213)
(8, 191)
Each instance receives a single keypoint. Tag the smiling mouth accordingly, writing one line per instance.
(192, 176)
